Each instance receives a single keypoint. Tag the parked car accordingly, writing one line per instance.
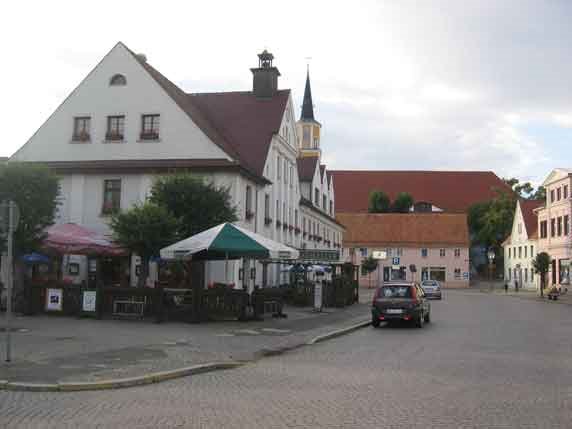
(432, 289)
(400, 301)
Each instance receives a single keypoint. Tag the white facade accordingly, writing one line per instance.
(519, 251)
(82, 190)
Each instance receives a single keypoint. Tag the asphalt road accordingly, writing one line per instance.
(484, 361)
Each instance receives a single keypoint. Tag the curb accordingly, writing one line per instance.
(339, 332)
(156, 377)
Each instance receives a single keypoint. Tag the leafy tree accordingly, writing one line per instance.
(35, 191)
(402, 203)
(197, 205)
(368, 266)
(539, 194)
(379, 202)
(541, 265)
(144, 229)
(526, 190)
(491, 221)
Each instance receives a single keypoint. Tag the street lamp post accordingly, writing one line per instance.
(491, 256)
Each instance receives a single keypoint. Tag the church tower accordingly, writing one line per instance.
(309, 129)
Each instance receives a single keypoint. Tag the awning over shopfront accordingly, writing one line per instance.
(228, 241)
(73, 239)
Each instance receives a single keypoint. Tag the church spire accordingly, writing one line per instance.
(307, 105)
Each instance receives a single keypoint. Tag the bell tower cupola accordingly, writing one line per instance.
(265, 76)
(309, 129)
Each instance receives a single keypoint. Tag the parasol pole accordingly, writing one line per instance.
(226, 268)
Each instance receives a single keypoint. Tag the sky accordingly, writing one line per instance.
(397, 85)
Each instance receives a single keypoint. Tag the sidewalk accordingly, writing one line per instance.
(53, 349)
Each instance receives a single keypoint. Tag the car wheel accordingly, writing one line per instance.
(428, 318)
(420, 320)
(375, 323)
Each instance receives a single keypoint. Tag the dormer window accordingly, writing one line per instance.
(150, 127)
(118, 80)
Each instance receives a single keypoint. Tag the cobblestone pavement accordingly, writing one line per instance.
(484, 361)
(49, 349)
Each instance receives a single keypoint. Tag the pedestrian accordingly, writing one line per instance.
(505, 287)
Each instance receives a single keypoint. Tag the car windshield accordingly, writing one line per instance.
(396, 292)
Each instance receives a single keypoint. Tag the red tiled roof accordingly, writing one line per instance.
(306, 168)
(241, 124)
(245, 121)
(405, 230)
(530, 218)
(453, 191)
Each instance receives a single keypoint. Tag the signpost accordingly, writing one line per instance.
(9, 218)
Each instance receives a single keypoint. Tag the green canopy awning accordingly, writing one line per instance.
(228, 241)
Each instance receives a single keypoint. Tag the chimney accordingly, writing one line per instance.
(265, 77)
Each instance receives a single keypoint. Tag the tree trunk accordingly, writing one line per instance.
(542, 285)
(143, 272)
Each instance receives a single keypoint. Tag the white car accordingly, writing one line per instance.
(432, 289)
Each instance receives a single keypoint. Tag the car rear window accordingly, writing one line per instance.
(395, 292)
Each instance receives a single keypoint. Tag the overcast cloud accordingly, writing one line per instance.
(472, 85)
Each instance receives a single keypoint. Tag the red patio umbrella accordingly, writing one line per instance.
(70, 238)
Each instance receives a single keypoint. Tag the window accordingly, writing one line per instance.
(111, 196)
(565, 191)
(458, 253)
(543, 229)
(324, 202)
(285, 170)
(508, 274)
(424, 253)
(509, 252)
(278, 167)
(149, 127)
(559, 229)
(115, 128)
(363, 252)
(552, 196)
(558, 194)
(306, 136)
(266, 207)
(389, 251)
(437, 273)
(284, 213)
(277, 214)
(73, 269)
(118, 80)
(296, 218)
(81, 129)
(442, 253)
(291, 176)
(331, 208)
(248, 203)
(532, 251)
(526, 275)
(552, 227)
(457, 273)
(520, 228)
(399, 252)
(525, 251)
(519, 252)
(317, 197)
(566, 225)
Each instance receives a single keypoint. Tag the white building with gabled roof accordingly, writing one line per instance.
(126, 123)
